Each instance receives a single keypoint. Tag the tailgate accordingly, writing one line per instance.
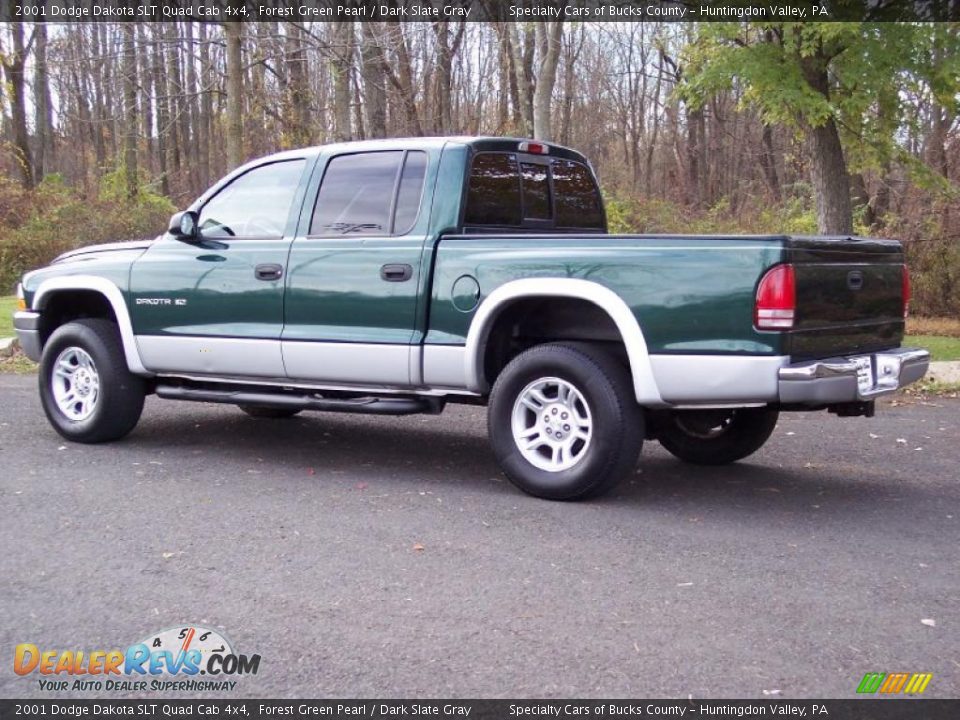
(849, 295)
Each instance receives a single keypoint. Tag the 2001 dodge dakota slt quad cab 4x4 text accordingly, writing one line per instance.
(394, 276)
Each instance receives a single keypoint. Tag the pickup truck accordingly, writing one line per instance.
(395, 276)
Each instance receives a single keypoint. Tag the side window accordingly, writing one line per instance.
(410, 192)
(356, 194)
(255, 205)
(493, 195)
(577, 197)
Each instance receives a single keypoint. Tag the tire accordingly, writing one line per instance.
(602, 398)
(273, 413)
(88, 393)
(716, 437)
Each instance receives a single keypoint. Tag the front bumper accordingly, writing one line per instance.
(838, 380)
(27, 325)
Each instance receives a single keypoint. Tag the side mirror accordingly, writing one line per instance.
(183, 226)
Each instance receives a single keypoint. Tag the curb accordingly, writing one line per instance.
(8, 346)
(944, 371)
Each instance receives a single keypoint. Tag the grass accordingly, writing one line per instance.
(18, 364)
(940, 326)
(941, 348)
(7, 305)
(926, 387)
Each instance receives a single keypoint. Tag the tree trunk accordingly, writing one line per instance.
(523, 79)
(130, 109)
(298, 88)
(13, 67)
(402, 80)
(172, 77)
(549, 40)
(206, 107)
(374, 82)
(234, 95)
(162, 105)
(768, 163)
(340, 63)
(46, 147)
(831, 185)
(189, 110)
(145, 73)
(828, 167)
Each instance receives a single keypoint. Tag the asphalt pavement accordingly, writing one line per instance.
(388, 557)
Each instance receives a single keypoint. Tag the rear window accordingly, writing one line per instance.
(578, 202)
(506, 191)
(536, 191)
(493, 197)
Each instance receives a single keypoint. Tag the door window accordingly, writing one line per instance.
(410, 192)
(255, 205)
(356, 195)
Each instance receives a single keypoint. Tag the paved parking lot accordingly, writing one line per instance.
(388, 557)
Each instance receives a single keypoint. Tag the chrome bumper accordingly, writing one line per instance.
(835, 380)
(27, 325)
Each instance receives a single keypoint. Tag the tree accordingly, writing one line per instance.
(233, 32)
(46, 147)
(14, 64)
(130, 109)
(834, 83)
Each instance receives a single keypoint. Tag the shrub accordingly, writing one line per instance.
(38, 225)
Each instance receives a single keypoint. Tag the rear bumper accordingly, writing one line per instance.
(27, 325)
(834, 380)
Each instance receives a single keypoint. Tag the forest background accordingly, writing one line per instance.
(832, 128)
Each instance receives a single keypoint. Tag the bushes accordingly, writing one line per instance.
(643, 215)
(38, 225)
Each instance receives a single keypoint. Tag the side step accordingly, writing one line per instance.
(363, 405)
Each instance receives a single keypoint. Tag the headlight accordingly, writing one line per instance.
(21, 300)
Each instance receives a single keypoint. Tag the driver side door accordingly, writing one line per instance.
(215, 306)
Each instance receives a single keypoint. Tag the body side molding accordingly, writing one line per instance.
(113, 295)
(644, 383)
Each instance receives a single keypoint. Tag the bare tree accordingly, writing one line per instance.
(14, 64)
(234, 94)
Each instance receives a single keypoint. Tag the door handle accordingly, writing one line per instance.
(268, 271)
(396, 272)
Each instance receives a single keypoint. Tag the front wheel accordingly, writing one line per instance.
(88, 393)
(563, 421)
(716, 437)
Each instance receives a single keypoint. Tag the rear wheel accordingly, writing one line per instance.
(716, 437)
(274, 413)
(88, 393)
(563, 421)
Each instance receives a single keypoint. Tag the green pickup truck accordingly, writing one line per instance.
(394, 276)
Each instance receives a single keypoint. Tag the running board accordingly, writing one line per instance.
(363, 405)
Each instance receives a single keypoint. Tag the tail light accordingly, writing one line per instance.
(776, 299)
(906, 291)
(534, 147)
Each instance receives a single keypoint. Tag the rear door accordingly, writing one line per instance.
(849, 295)
(215, 307)
(354, 271)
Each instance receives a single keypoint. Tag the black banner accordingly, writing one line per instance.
(859, 709)
(478, 10)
